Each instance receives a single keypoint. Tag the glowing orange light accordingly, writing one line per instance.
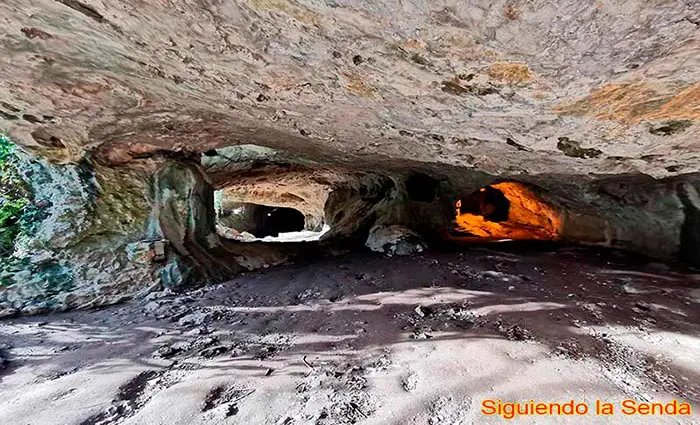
(528, 217)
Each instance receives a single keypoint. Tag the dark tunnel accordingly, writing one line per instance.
(271, 221)
(488, 202)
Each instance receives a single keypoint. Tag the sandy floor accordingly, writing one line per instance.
(366, 339)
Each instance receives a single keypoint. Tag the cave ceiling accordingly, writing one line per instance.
(505, 88)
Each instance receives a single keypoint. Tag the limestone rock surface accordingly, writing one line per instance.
(370, 116)
(506, 87)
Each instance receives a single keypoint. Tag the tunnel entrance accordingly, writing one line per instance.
(248, 222)
(275, 220)
(505, 211)
(488, 202)
(262, 195)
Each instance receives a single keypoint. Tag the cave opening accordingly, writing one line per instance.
(421, 188)
(264, 195)
(488, 202)
(506, 211)
(249, 222)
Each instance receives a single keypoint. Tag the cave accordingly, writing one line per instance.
(507, 211)
(248, 222)
(304, 195)
(276, 220)
(488, 202)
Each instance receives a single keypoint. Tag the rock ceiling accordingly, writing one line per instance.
(507, 88)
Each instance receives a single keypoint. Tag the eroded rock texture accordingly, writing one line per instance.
(365, 116)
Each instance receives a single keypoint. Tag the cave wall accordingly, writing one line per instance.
(242, 221)
(184, 215)
(689, 249)
(596, 103)
(352, 208)
(108, 233)
(640, 214)
(83, 217)
(262, 220)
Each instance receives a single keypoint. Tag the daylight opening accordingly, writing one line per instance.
(248, 222)
(504, 211)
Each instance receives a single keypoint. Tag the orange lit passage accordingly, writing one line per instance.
(528, 217)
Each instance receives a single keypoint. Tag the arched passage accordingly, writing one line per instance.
(506, 210)
(260, 220)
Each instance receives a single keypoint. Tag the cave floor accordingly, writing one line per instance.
(367, 339)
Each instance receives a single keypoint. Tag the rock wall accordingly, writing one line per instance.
(108, 233)
(73, 255)
(134, 112)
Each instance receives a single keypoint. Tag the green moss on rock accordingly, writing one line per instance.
(14, 197)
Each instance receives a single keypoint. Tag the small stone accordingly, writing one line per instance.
(410, 382)
(642, 306)
(232, 410)
(151, 307)
(511, 288)
(394, 240)
(146, 252)
(420, 335)
(631, 289)
(166, 352)
(197, 319)
(425, 311)
(202, 342)
(517, 333)
(32, 310)
(8, 313)
(199, 331)
(167, 292)
(214, 351)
